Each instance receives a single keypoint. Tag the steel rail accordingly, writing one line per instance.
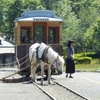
(61, 85)
(48, 94)
(80, 95)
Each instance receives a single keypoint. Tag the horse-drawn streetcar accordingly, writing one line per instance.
(37, 26)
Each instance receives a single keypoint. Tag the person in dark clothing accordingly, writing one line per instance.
(70, 66)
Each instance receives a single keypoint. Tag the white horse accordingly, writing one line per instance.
(41, 54)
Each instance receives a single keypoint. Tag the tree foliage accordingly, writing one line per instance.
(91, 37)
(78, 18)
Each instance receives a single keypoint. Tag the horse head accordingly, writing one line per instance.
(58, 64)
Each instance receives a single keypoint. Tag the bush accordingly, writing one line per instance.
(82, 60)
(84, 57)
(95, 55)
(79, 55)
(88, 54)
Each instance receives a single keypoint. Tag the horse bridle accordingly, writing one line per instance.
(56, 62)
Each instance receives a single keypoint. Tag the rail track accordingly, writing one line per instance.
(57, 91)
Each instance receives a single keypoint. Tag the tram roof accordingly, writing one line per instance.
(39, 16)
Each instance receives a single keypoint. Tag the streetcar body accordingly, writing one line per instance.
(37, 26)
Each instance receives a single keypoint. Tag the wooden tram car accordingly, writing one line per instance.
(36, 26)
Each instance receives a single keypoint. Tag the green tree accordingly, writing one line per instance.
(87, 12)
(71, 25)
(78, 16)
(1, 15)
(32, 5)
(50, 4)
(13, 9)
(92, 42)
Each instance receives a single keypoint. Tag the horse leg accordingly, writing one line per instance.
(42, 73)
(33, 74)
(49, 74)
(33, 69)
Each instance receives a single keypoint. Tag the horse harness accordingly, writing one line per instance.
(44, 57)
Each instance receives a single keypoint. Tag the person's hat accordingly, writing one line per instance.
(71, 41)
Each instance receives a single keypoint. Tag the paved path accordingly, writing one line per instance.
(19, 91)
(87, 84)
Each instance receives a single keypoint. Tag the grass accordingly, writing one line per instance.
(94, 66)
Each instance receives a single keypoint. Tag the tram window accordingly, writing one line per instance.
(25, 35)
(53, 35)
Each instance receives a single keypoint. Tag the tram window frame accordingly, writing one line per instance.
(53, 37)
(25, 37)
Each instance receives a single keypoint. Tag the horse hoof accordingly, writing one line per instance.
(31, 81)
(49, 82)
(42, 83)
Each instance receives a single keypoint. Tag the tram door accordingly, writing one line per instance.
(39, 33)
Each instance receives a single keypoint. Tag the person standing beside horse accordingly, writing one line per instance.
(70, 65)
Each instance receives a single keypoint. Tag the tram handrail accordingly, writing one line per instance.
(23, 57)
(24, 61)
